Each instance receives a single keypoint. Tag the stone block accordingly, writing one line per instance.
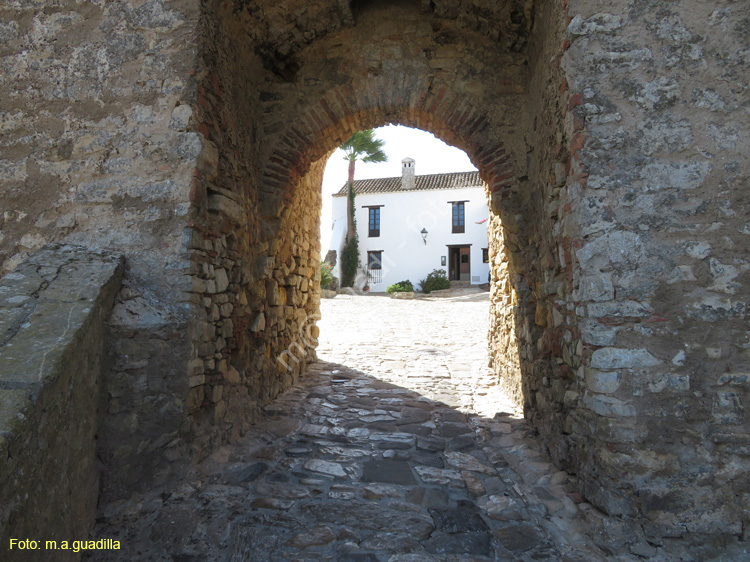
(614, 248)
(619, 309)
(196, 380)
(594, 333)
(628, 59)
(727, 408)
(227, 328)
(697, 249)
(192, 239)
(259, 324)
(570, 398)
(665, 133)
(402, 296)
(657, 94)
(596, 288)
(620, 430)
(208, 159)
(195, 367)
(557, 317)
(220, 344)
(540, 316)
(604, 382)
(681, 273)
(608, 405)
(292, 296)
(221, 279)
(609, 358)
(674, 175)
(201, 331)
(221, 204)
(671, 381)
(598, 23)
(679, 358)
(734, 379)
(712, 308)
(195, 399)
(272, 293)
(724, 277)
(180, 117)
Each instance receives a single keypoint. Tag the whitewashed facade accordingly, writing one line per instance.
(393, 214)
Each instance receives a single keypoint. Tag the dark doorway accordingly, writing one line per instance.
(459, 263)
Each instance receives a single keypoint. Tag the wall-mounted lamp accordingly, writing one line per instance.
(424, 235)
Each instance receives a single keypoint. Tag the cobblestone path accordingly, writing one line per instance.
(385, 451)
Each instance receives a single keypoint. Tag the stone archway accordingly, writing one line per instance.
(500, 93)
(257, 189)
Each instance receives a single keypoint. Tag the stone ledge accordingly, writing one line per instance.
(52, 313)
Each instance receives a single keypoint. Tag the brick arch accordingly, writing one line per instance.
(377, 101)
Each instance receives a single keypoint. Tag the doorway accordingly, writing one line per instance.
(459, 263)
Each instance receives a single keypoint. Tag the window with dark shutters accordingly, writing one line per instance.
(458, 217)
(374, 222)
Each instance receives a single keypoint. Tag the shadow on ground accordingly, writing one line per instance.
(347, 467)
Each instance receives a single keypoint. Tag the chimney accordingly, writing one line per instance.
(407, 173)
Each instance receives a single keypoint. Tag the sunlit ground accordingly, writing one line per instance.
(437, 347)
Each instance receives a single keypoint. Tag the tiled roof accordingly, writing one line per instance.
(421, 183)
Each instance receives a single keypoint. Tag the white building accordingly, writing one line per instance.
(410, 225)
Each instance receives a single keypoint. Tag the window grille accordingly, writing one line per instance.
(375, 266)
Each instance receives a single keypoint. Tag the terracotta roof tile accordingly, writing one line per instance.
(422, 183)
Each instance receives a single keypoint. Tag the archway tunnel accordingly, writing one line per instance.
(256, 192)
(496, 91)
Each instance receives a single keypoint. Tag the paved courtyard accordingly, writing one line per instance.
(394, 447)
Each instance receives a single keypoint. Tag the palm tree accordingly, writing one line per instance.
(365, 147)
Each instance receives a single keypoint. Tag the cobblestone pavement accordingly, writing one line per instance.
(394, 447)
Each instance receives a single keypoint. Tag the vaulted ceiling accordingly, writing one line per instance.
(278, 29)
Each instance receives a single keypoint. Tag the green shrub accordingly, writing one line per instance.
(349, 262)
(326, 274)
(435, 281)
(400, 287)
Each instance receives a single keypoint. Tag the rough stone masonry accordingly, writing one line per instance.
(191, 137)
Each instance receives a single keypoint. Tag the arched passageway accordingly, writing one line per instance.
(486, 91)
(388, 64)
(499, 93)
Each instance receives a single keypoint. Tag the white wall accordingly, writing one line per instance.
(402, 217)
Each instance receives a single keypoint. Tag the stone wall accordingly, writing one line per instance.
(635, 381)
(53, 311)
(502, 340)
(254, 255)
(548, 337)
(662, 268)
(98, 148)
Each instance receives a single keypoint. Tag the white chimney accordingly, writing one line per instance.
(407, 173)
